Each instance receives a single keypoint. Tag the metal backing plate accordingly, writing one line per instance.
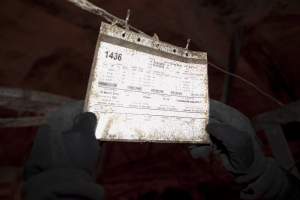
(145, 90)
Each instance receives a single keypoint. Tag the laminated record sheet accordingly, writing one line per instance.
(145, 90)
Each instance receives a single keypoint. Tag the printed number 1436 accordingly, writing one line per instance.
(113, 55)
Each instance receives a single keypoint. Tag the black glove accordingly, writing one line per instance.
(232, 135)
(62, 162)
(235, 147)
(80, 143)
(242, 157)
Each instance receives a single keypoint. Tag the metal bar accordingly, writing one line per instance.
(21, 122)
(32, 95)
(234, 54)
(271, 122)
(286, 114)
(22, 100)
(280, 148)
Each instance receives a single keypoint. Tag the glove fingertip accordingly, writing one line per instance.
(86, 121)
(213, 129)
(218, 131)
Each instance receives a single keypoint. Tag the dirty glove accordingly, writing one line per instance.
(246, 162)
(235, 147)
(63, 159)
(232, 135)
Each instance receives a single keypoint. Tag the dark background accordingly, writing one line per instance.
(48, 45)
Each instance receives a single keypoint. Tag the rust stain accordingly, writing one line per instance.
(140, 133)
(107, 128)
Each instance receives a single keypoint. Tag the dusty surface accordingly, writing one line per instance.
(49, 46)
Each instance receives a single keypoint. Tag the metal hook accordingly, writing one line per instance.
(187, 43)
(155, 37)
(114, 22)
(127, 19)
(127, 16)
(155, 40)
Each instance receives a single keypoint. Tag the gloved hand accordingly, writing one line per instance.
(232, 135)
(64, 157)
(234, 139)
(235, 147)
(80, 143)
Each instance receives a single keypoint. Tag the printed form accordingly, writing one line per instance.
(144, 97)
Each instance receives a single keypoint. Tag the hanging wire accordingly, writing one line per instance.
(92, 8)
(248, 83)
(88, 6)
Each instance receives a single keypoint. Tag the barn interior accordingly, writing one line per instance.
(47, 50)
